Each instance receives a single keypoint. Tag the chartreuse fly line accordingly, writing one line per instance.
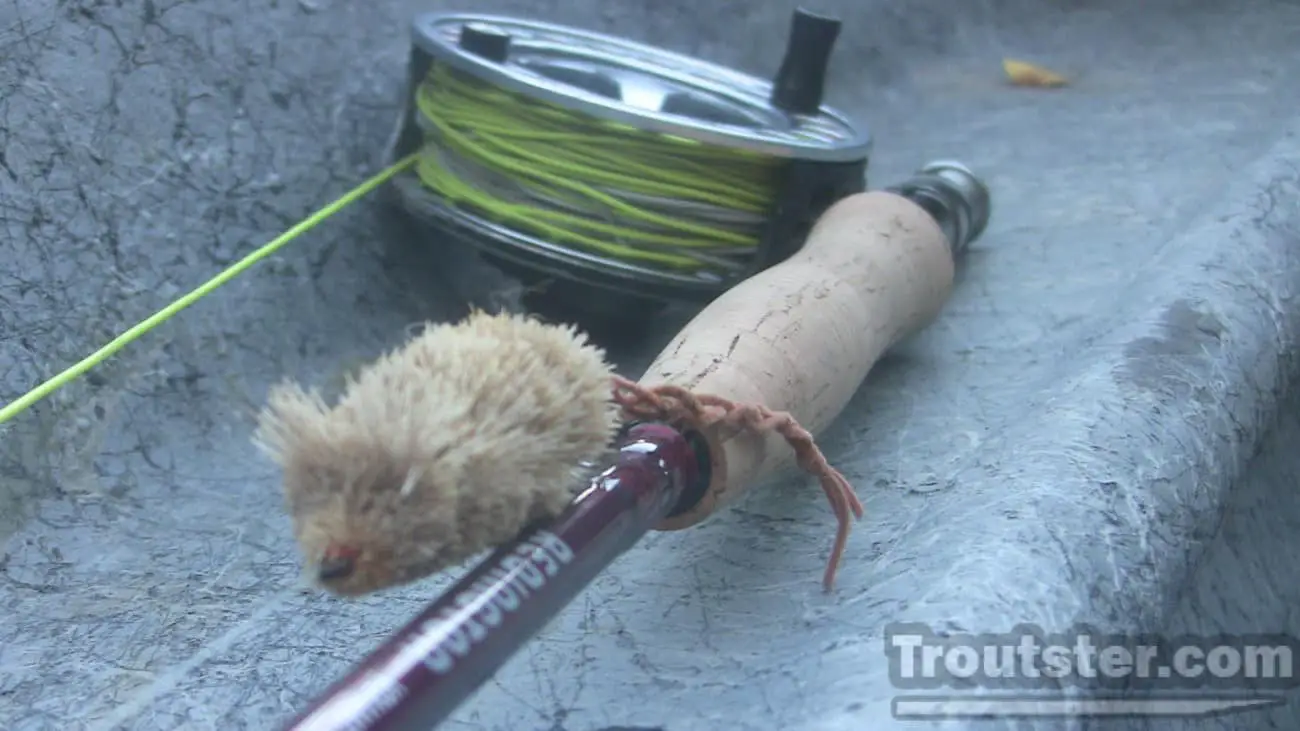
(576, 180)
(75, 371)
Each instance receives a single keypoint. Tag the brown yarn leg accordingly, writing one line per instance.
(677, 405)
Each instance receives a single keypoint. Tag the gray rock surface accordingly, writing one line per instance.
(1100, 429)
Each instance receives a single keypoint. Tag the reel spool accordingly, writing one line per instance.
(611, 178)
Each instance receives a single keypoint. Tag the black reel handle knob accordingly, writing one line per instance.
(801, 80)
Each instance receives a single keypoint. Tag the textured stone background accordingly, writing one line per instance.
(1101, 428)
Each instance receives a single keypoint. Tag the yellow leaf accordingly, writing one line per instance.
(1021, 73)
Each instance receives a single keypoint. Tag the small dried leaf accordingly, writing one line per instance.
(1021, 73)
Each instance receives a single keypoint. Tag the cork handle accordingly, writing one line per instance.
(802, 335)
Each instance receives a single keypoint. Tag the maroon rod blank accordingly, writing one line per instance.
(416, 679)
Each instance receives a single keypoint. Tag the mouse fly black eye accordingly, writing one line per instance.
(337, 563)
(333, 569)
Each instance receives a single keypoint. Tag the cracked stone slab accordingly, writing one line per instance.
(1099, 429)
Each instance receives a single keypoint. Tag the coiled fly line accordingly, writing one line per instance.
(576, 180)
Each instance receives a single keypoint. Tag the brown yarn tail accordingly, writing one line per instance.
(677, 405)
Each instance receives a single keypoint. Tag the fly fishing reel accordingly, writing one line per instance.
(611, 177)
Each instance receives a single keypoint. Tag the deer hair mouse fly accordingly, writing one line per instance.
(444, 447)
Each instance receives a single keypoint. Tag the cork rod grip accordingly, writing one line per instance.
(801, 336)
